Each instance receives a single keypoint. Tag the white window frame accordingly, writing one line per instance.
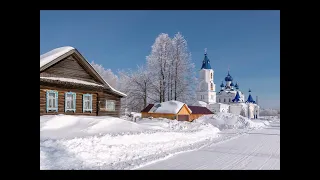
(74, 97)
(90, 103)
(111, 101)
(50, 109)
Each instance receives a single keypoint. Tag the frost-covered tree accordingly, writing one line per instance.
(168, 75)
(173, 76)
(136, 84)
(106, 74)
(183, 75)
(158, 63)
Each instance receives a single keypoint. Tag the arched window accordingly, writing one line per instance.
(211, 87)
(229, 100)
(219, 100)
(211, 76)
(224, 100)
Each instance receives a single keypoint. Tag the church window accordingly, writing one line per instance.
(211, 76)
(211, 87)
(224, 100)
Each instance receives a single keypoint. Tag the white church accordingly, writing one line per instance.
(229, 99)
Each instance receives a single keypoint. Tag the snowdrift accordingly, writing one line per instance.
(82, 142)
(67, 127)
(230, 121)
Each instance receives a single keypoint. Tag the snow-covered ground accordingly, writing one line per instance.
(257, 149)
(234, 149)
(83, 142)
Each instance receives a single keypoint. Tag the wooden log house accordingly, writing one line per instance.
(70, 85)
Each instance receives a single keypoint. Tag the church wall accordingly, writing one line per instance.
(226, 97)
(251, 109)
(235, 109)
(218, 107)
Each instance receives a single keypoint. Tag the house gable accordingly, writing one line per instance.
(78, 67)
(70, 67)
(184, 110)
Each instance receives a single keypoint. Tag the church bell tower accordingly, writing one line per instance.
(206, 90)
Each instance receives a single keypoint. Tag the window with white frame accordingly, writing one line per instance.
(70, 102)
(52, 100)
(110, 105)
(87, 103)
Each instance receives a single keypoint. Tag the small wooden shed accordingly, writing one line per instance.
(169, 109)
(174, 110)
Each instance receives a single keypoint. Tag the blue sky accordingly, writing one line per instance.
(247, 41)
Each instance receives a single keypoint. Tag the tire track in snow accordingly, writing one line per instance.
(272, 154)
(242, 158)
(249, 158)
(233, 151)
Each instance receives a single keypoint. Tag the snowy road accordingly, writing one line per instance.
(257, 149)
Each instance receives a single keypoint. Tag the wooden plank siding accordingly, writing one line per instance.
(184, 111)
(69, 68)
(158, 115)
(61, 102)
(195, 116)
(102, 105)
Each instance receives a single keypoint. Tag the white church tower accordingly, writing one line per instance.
(206, 91)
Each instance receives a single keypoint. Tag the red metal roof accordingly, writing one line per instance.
(200, 110)
(147, 109)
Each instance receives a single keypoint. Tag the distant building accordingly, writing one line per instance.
(229, 99)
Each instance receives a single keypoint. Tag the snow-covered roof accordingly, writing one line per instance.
(200, 103)
(168, 107)
(227, 92)
(56, 54)
(71, 80)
